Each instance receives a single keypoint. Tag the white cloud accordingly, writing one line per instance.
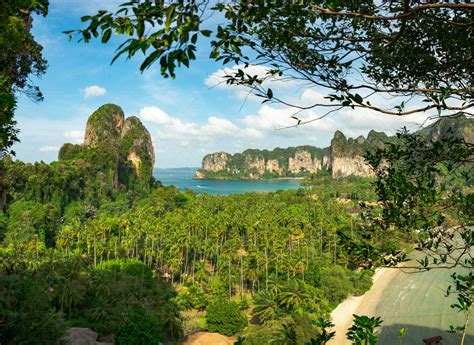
(49, 149)
(185, 142)
(218, 80)
(271, 118)
(94, 91)
(74, 136)
(351, 122)
(215, 127)
(156, 115)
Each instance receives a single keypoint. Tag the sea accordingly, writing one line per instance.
(183, 178)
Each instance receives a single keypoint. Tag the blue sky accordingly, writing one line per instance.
(187, 117)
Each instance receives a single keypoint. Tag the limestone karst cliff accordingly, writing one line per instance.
(119, 149)
(344, 157)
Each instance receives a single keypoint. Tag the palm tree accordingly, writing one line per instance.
(265, 306)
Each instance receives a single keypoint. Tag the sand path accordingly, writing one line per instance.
(206, 338)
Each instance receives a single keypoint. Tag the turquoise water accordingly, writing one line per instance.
(182, 178)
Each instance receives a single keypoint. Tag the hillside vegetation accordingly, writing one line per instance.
(78, 249)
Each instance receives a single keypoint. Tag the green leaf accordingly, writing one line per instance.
(169, 17)
(106, 35)
(206, 33)
(270, 93)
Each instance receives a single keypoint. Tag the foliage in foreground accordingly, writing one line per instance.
(20, 58)
(425, 186)
(321, 44)
(120, 297)
(225, 317)
(363, 331)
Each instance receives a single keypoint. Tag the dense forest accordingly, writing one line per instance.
(280, 258)
(157, 263)
(83, 246)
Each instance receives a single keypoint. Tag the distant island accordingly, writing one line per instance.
(343, 158)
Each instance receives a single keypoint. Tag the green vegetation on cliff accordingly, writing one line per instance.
(349, 147)
(136, 155)
(344, 157)
(119, 149)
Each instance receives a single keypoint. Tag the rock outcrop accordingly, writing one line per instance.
(344, 157)
(118, 148)
(84, 336)
(302, 162)
(104, 126)
(136, 146)
(215, 161)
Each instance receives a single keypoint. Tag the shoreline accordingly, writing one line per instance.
(365, 304)
(249, 179)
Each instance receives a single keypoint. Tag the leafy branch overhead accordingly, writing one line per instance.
(353, 51)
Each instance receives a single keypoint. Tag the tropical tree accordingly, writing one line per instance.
(410, 48)
(20, 57)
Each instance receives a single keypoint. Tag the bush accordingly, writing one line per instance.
(336, 284)
(191, 297)
(225, 317)
(129, 267)
(217, 290)
(26, 312)
(362, 281)
(140, 328)
(261, 334)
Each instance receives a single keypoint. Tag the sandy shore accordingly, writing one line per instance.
(360, 305)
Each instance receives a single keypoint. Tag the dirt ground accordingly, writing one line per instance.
(205, 338)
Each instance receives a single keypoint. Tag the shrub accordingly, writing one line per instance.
(261, 334)
(225, 317)
(336, 284)
(140, 328)
(217, 290)
(362, 281)
(36, 327)
(191, 297)
(129, 267)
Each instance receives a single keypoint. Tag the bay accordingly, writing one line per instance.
(183, 178)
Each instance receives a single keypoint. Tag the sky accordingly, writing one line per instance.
(187, 117)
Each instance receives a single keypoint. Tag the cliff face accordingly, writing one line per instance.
(460, 127)
(104, 126)
(344, 157)
(136, 146)
(119, 149)
(215, 161)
